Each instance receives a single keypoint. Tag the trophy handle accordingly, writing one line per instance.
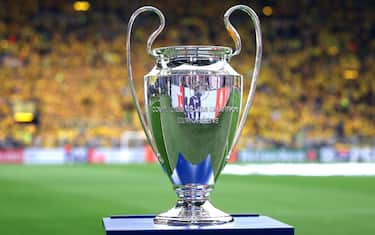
(145, 125)
(258, 57)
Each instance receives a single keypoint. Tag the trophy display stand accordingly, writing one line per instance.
(244, 224)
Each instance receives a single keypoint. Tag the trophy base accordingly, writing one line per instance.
(193, 213)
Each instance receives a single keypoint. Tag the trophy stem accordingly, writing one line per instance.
(193, 207)
(193, 192)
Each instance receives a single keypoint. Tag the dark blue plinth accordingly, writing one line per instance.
(243, 224)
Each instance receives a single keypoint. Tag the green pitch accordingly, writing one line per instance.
(72, 199)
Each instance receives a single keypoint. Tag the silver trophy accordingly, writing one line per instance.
(193, 102)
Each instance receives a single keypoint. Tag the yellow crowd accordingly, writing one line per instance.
(309, 90)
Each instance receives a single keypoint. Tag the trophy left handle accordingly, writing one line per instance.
(151, 39)
(258, 57)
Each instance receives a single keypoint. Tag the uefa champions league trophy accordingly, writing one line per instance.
(193, 102)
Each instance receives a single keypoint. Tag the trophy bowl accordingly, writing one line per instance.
(193, 103)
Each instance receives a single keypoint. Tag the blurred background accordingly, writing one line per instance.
(64, 79)
(64, 97)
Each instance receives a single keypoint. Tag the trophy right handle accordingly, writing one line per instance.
(144, 123)
(258, 57)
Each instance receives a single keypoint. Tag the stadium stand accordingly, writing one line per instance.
(316, 86)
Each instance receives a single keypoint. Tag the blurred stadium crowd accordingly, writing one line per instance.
(66, 68)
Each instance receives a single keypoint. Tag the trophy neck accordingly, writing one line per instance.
(193, 192)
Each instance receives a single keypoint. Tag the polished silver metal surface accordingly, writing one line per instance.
(151, 39)
(258, 58)
(193, 101)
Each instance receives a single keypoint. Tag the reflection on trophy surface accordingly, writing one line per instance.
(193, 115)
(198, 110)
(193, 102)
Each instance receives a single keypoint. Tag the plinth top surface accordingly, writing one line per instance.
(241, 222)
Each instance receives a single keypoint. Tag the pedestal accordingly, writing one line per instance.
(243, 225)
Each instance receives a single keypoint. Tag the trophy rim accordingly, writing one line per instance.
(193, 51)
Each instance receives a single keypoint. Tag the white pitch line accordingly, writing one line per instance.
(307, 169)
